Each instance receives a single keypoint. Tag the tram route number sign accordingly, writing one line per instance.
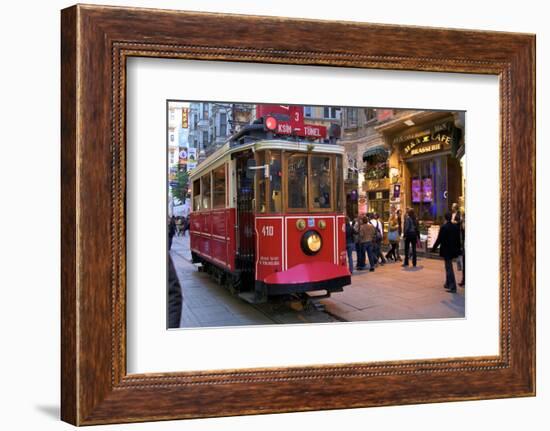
(295, 124)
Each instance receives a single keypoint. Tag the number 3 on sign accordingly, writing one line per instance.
(267, 230)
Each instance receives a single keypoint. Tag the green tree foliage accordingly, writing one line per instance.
(180, 190)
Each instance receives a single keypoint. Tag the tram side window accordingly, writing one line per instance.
(196, 195)
(275, 177)
(321, 179)
(218, 176)
(206, 192)
(297, 182)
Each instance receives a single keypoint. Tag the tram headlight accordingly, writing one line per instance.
(270, 123)
(311, 242)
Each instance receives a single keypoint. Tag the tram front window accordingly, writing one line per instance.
(297, 181)
(321, 182)
(275, 177)
(260, 182)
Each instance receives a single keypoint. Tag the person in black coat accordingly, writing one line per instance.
(171, 231)
(175, 298)
(450, 248)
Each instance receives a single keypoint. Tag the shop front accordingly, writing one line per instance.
(429, 173)
(377, 184)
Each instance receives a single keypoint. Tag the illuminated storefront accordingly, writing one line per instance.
(431, 174)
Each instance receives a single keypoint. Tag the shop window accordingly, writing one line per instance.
(206, 192)
(218, 178)
(297, 182)
(196, 195)
(321, 194)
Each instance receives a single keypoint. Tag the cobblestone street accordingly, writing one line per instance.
(389, 293)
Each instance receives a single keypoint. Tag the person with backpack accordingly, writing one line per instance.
(411, 234)
(367, 235)
(377, 247)
(356, 226)
(393, 237)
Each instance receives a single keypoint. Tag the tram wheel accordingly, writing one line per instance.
(233, 284)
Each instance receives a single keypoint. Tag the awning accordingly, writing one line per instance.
(376, 152)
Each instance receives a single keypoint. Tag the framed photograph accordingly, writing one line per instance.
(259, 224)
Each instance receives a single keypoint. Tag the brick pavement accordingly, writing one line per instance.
(389, 293)
(393, 292)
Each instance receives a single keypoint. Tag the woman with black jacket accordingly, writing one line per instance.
(411, 234)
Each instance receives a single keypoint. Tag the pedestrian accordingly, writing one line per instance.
(379, 226)
(179, 226)
(357, 240)
(399, 233)
(463, 248)
(456, 216)
(411, 234)
(368, 237)
(186, 224)
(175, 298)
(448, 240)
(350, 243)
(393, 237)
(171, 231)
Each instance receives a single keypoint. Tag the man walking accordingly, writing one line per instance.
(377, 246)
(350, 243)
(449, 242)
(367, 235)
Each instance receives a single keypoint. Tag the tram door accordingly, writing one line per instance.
(246, 257)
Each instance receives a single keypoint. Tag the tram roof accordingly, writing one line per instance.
(264, 144)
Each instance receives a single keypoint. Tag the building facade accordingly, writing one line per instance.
(404, 159)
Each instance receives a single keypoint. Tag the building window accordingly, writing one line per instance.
(307, 111)
(330, 112)
(171, 137)
(205, 111)
(370, 114)
(351, 117)
(205, 138)
(223, 124)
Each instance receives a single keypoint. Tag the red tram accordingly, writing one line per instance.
(268, 214)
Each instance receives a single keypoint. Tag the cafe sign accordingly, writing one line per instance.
(437, 138)
(427, 144)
